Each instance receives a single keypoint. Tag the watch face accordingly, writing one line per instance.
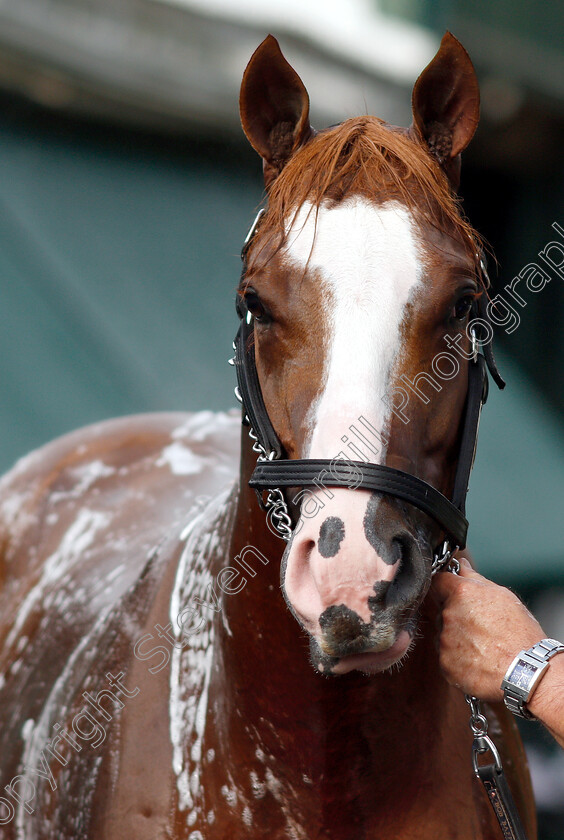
(522, 674)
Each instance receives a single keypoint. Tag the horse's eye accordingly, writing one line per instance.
(462, 307)
(255, 306)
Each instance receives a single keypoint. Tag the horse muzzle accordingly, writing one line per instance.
(354, 578)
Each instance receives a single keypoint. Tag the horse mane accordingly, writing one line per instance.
(364, 156)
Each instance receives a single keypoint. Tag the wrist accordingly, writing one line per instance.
(547, 702)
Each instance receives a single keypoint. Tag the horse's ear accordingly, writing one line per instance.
(446, 105)
(274, 108)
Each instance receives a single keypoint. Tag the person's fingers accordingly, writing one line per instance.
(445, 584)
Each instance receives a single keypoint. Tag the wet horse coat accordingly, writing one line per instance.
(154, 683)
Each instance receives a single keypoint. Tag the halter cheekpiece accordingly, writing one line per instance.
(273, 473)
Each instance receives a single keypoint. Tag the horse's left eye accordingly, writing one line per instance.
(462, 307)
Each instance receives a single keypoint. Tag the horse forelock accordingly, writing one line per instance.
(362, 156)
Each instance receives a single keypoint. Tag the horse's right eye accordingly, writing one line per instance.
(255, 306)
(462, 307)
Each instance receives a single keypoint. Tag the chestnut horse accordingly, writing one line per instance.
(155, 682)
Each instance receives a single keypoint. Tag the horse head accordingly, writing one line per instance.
(359, 283)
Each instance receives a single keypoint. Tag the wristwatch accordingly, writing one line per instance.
(525, 673)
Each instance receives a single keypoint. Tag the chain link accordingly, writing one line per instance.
(443, 559)
(478, 721)
(278, 513)
(275, 504)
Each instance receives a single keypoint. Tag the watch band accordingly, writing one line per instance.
(525, 673)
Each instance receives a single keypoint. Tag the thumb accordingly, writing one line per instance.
(467, 570)
(443, 585)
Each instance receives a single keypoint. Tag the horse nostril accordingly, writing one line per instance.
(397, 549)
(402, 548)
(409, 577)
(389, 593)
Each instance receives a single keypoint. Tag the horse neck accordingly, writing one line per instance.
(275, 705)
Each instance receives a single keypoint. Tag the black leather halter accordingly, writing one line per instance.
(273, 473)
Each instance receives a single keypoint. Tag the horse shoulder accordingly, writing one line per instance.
(87, 524)
(120, 484)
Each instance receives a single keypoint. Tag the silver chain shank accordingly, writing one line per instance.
(275, 504)
(443, 559)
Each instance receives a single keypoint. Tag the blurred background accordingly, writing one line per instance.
(126, 188)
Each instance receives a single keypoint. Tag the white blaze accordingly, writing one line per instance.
(369, 262)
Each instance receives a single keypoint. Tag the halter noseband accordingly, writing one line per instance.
(272, 473)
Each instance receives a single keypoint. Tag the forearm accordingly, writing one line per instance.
(547, 702)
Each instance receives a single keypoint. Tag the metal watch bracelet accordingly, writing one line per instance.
(525, 673)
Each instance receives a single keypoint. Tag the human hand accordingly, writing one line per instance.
(484, 626)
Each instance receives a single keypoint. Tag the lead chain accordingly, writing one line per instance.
(492, 776)
(443, 559)
(278, 513)
(478, 721)
(275, 504)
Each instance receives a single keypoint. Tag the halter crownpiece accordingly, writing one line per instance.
(273, 473)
